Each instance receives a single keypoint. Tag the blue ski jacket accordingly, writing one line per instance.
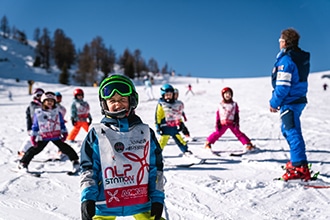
(289, 77)
(91, 183)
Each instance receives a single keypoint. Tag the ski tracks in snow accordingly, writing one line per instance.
(190, 204)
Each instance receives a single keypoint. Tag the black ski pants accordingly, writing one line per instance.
(64, 148)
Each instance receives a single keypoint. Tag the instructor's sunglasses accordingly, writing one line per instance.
(120, 87)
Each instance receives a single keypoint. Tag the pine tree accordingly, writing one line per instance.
(4, 27)
(164, 69)
(153, 65)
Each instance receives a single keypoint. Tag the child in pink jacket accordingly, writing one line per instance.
(227, 117)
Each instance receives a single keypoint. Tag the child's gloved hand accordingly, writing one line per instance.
(64, 136)
(159, 131)
(33, 141)
(156, 210)
(87, 210)
(73, 121)
(90, 120)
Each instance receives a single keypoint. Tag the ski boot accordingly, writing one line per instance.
(208, 145)
(22, 167)
(75, 166)
(188, 153)
(250, 147)
(299, 172)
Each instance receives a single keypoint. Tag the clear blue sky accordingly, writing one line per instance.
(206, 38)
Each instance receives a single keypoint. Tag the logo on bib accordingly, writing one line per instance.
(119, 147)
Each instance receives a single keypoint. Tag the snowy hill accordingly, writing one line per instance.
(224, 187)
(16, 61)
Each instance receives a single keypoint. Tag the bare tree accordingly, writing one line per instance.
(63, 50)
(43, 50)
(153, 65)
(98, 51)
(127, 62)
(86, 73)
(112, 58)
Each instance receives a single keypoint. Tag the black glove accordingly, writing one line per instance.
(73, 121)
(87, 210)
(181, 126)
(156, 210)
(159, 130)
(90, 121)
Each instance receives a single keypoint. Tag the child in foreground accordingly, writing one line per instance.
(121, 160)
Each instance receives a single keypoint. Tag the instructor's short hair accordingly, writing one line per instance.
(291, 37)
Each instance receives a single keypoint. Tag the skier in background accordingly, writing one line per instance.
(168, 117)
(190, 90)
(80, 114)
(182, 126)
(29, 113)
(227, 117)
(148, 88)
(48, 126)
(10, 95)
(325, 86)
(60, 107)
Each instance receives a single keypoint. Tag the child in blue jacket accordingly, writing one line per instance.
(121, 160)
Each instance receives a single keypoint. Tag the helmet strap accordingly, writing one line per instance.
(119, 114)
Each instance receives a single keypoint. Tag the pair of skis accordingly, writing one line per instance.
(314, 182)
(39, 173)
(237, 153)
(199, 161)
(186, 165)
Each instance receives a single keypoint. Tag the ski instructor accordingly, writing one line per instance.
(289, 81)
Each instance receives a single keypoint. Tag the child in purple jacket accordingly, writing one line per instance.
(227, 117)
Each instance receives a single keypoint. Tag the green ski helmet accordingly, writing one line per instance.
(123, 86)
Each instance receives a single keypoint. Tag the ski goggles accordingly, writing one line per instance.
(120, 87)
